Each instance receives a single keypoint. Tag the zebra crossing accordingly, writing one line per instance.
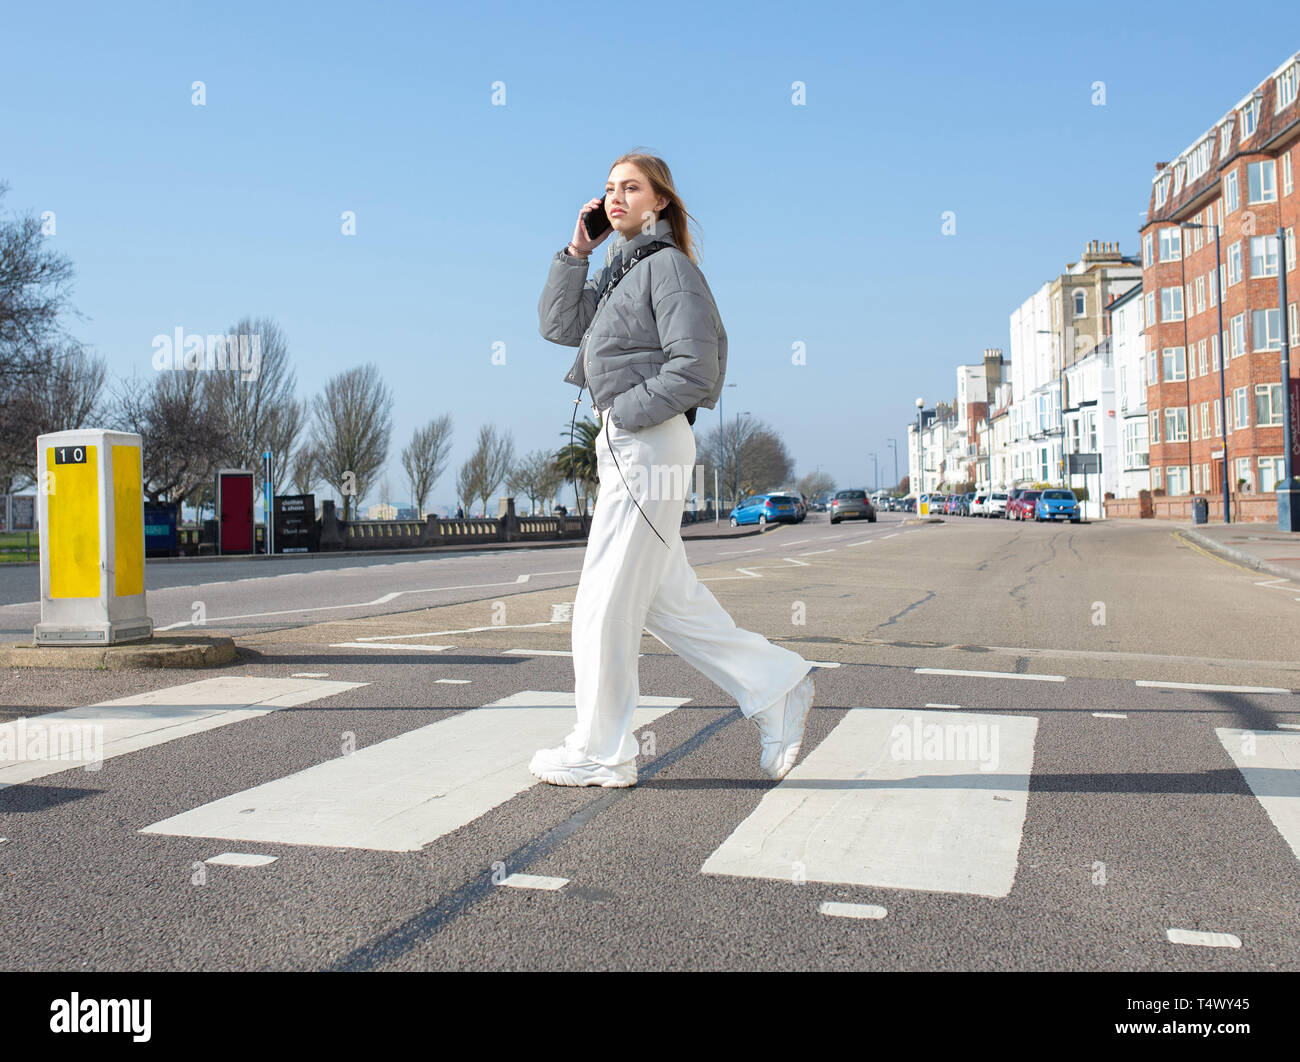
(912, 799)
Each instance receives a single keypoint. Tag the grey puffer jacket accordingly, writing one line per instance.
(654, 347)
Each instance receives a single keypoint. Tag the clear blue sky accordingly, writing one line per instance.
(820, 223)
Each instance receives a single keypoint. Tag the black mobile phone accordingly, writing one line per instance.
(596, 221)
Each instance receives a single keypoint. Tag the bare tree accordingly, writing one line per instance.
(468, 482)
(814, 483)
(63, 391)
(259, 408)
(536, 477)
(424, 459)
(764, 462)
(496, 453)
(303, 469)
(351, 430)
(180, 432)
(34, 292)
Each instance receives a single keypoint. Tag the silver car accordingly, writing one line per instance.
(854, 503)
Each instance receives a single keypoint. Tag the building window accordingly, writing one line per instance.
(1270, 472)
(1176, 478)
(1290, 249)
(1268, 405)
(1230, 194)
(1243, 471)
(1147, 257)
(1266, 329)
(1162, 191)
(1080, 303)
(1175, 364)
(1176, 424)
(1202, 359)
(1200, 294)
(1286, 87)
(1151, 367)
(1151, 306)
(1225, 138)
(1213, 277)
(1155, 479)
(1263, 256)
(1241, 419)
(1196, 479)
(1293, 325)
(1199, 160)
(1154, 417)
(1249, 115)
(1261, 179)
(1214, 353)
(1205, 420)
(1218, 417)
(1288, 184)
(1237, 332)
(1136, 453)
(1171, 304)
(1234, 263)
(1171, 244)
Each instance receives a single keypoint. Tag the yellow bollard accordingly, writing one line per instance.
(91, 499)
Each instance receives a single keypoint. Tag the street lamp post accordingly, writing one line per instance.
(1288, 491)
(920, 451)
(893, 443)
(738, 416)
(722, 440)
(1223, 362)
(875, 473)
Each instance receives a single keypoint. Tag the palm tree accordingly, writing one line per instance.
(577, 461)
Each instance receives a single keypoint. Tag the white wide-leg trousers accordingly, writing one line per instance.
(632, 581)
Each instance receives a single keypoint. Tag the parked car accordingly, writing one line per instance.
(793, 498)
(820, 502)
(996, 504)
(951, 505)
(1024, 505)
(854, 503)
(978, 502)
(1057, 505)
(763, 509)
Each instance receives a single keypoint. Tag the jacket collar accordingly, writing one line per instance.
(663, 230)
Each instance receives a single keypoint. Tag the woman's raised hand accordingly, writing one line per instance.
(581, 241)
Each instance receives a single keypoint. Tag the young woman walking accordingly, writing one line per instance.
(651, 350)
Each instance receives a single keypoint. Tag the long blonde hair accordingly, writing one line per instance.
(661, 180)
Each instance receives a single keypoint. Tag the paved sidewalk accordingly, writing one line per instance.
(1260, 546)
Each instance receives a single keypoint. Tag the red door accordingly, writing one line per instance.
(237, 514)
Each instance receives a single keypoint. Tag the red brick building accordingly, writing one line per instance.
(1239, 176)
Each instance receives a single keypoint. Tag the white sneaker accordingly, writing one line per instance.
(780, 727)
(561, 766)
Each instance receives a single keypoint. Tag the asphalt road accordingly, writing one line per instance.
(1012, 764)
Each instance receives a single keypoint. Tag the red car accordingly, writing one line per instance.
(1021, 507)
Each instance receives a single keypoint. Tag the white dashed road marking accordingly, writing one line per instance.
(1270, 764)
(241, 859)
(1210, 687)
(988, 674)
(1205, 940)
(534, 881)
(852, 910)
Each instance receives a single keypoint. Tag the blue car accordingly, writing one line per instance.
(1057, 505)
(763, 509)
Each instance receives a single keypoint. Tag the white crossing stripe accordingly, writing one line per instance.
(404, 793)
(1109, 715)
(988, 674)
(241, 859)
(534, 881)
(937, 705)
(1289, 726)
(1205, 940)
(872, 805)
(310, 674)
(456, 682)
(145, 719)
(852, 910)
(1210, 687)
(390, 645)
(546, 652)
(1271, 768)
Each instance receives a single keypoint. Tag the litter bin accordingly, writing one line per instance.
(1200, 510)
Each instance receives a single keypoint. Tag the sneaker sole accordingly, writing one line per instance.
(566, 779)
